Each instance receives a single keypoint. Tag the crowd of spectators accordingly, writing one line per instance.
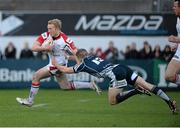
(26, 53)
(111, 53)
(131, 52)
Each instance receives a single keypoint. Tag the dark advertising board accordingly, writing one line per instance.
(90, 24)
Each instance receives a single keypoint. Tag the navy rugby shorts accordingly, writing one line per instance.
(124, 72)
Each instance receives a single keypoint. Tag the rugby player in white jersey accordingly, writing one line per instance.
(173, 67)
(57, 45)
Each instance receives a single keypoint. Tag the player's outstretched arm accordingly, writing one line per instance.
(73, 56)
(62, 68)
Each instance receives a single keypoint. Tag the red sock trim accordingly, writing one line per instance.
(35, 85)
(52, 68)
(72, 87)
(176, 77)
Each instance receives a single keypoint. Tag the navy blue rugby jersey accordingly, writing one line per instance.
(96, 67)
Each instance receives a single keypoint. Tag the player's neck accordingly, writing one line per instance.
(56, 36)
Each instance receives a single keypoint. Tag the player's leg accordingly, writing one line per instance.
(63, 81)
(172, 71)
(140, 82)
(38, 75)
(124, 75)
(67, 85)
(117, 96)
(112, 93)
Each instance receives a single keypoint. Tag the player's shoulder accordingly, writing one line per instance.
(91, 57)
(42, 37)
(88, 58)
(45, 35)
(67, 39)
(63, 34)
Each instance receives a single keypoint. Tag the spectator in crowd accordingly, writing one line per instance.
(42, 55)
(91, 51)
(100, 53)
(26, 52)
(10, 51)
(133, 53)
(157, 53)
(167, 54)
(112, 53)
(121, 55)
(146, 51)
(1, 55)
(127, 52)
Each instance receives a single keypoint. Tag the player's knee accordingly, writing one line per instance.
(112, 93)
(112, 100)
(170, 77)
(35, 77)
(64, 87)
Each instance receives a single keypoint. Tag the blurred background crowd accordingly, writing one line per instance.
(94, 7)
(112, 53)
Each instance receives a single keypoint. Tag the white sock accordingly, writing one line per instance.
(81, 85)
(33, 91)
(177, 79)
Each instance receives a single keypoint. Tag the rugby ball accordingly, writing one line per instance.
(47, 42)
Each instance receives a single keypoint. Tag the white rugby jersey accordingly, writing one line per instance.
(61, 45)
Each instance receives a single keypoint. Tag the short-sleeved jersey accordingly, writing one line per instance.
(104, 69)
(94, 66)
(62, 45)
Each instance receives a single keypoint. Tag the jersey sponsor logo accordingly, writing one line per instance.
(119, 22)
(97, 60)
(44, 35)
(69, 41)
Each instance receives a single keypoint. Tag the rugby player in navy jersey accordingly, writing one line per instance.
(120, 76)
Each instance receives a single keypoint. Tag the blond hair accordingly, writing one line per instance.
(56, 22)
(81, 53)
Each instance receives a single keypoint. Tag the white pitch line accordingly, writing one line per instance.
(39, 105)
(84, 100)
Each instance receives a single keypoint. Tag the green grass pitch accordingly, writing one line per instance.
(84, 108)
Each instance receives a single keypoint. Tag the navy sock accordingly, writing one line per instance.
(157, 91)
(125, 95)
